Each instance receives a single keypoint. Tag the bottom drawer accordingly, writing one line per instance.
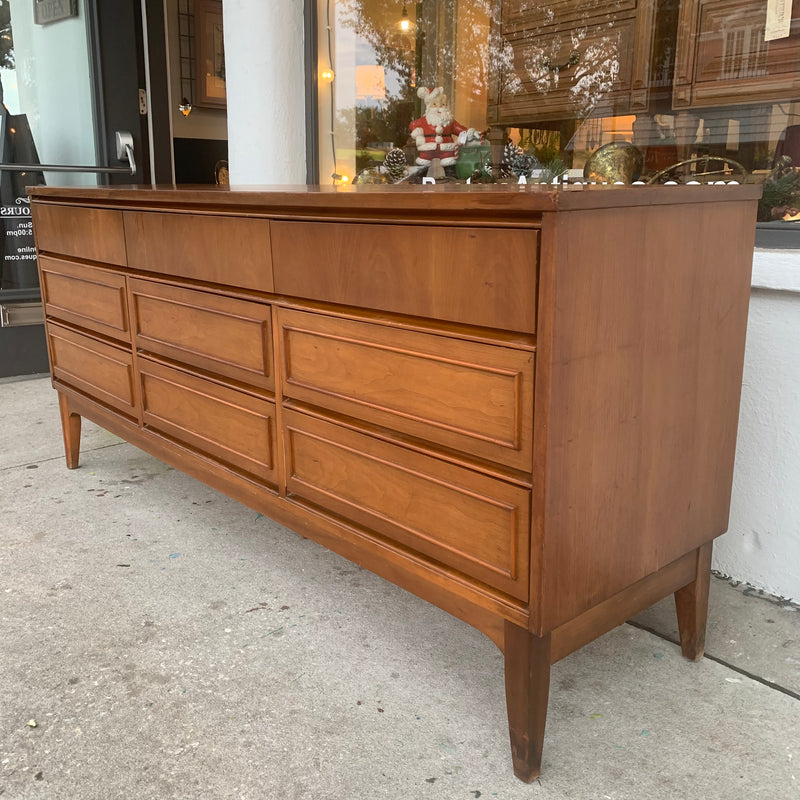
(96, 368)
(235, 428)
(469, 521)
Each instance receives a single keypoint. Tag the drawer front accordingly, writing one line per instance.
(468, 521)
(523, 17)
(234, 251)
(93, 234)
(85, 296)
(98, 369)
(478, 276)
(535, 92)
(470, 396)
(230, 426)
(220, 334)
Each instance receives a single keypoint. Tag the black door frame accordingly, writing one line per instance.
(119, 45)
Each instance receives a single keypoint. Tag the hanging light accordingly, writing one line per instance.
(185, 106)
(405, 22)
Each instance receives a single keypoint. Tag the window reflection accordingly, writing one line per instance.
(679, 80)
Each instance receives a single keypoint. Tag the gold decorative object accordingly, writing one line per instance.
(615, 161)
(728, 166)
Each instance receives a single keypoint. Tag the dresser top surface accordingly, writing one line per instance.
(498, 201)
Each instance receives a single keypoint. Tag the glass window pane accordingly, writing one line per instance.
(604, 90)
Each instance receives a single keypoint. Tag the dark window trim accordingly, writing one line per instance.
(778, 235)
(312, 95)
(117, 69)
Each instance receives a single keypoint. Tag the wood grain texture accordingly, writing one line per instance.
(605, 616)
(232, 426)
(223, 250)
(464, 519)
(468, 396)
(71, 430)
(92, 366)
(624, 30)
(85, 296)
(92, 234)
(232, 338)
(527, 662)
(542, 466)
(642, 368)
(691, 606)
(496, 206)
(449, 273)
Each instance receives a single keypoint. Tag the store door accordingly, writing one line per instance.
(72, 77)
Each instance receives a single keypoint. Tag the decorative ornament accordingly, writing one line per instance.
(435, 133)
(395, 165)
(370, 175)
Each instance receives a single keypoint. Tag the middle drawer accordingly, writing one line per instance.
(232, 427)
(466, 395)
(220, 334)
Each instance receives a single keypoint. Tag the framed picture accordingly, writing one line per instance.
(210, 54)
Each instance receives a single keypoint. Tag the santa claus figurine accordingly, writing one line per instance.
(433, 134)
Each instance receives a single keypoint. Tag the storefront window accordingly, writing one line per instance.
(606, 90)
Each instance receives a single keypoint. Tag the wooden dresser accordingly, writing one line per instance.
(518, 403)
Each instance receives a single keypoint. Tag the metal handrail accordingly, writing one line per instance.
(124, 152)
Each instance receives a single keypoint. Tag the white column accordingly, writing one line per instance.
(265, 76)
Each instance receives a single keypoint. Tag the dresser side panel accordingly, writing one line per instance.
(641, 369)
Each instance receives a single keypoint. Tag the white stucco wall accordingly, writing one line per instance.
(265, 71)
(762, 546)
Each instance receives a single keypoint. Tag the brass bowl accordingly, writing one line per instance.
(615, 161)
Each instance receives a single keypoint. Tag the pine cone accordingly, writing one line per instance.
(395, 164)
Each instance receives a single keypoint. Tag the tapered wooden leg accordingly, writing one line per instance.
(527, 660)
(71, 428)
(691, 605)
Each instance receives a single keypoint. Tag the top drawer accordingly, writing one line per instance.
(233, 251)
(478, 276)
(93, 234)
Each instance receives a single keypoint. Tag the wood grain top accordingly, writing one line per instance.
(489, 202)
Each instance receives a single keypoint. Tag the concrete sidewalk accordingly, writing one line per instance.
(171, 643)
